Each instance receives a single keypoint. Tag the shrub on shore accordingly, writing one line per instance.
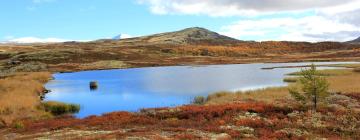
(314, 87)
(199, 100)
(58, 108)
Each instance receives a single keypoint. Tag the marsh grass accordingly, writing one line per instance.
(291, 79)
(265, 95)
(19, 96)
(328, 72)
(340, 80)
(345, 65)
(58, 108)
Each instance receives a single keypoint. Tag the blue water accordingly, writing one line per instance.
(134, 89)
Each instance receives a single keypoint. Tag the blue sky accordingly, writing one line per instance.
(95, 19)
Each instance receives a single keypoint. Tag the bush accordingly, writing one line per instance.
(57, 108)
(199, 100)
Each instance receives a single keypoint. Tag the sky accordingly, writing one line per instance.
(259, 20)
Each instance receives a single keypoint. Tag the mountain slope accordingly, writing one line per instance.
(355, 40)
(189, 36)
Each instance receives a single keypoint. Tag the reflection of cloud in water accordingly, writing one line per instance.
(133, 89)
(201, 80)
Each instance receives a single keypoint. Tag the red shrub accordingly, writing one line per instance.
(186, 137)
(254, 123)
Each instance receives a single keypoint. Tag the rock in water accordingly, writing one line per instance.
(93, 85)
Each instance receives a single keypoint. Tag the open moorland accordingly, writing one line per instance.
(269, 113)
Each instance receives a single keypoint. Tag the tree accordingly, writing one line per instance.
(313, 87)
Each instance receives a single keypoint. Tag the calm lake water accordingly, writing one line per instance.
(134, 89)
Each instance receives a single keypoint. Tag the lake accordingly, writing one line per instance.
(137, 88)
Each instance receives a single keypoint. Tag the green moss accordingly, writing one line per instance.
(58, 108)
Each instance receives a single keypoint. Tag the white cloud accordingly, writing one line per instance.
(331, 20)
(35, 40)
(311, 28)
(238, 7)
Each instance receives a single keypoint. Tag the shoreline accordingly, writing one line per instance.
(248, 90)
(216, 64)
(169, 120)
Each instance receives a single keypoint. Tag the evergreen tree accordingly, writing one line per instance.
(313, 87)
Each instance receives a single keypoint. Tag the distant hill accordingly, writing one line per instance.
(355, 40)
(189, 36)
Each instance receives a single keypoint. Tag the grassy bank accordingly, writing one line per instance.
(269, 113)
(344, 81)
(20, 99)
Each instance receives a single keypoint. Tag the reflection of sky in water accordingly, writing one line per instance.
(133, 89)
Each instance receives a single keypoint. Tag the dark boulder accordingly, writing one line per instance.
(93, 85)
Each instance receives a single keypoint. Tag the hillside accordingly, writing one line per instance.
(191, 46)
(188, 36)
(356, 41)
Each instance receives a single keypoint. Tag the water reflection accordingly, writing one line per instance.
(133, 89)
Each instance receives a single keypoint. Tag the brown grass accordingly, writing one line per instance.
(345, 83)
(19, 98)
(267, 95)
(340, 80)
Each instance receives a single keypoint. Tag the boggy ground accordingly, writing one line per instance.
(262, 114)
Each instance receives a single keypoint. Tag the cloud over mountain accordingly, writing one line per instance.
(307, 20)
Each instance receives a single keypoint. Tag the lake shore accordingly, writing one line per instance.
(265, 113)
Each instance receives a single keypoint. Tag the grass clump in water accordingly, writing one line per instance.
(58, 108)
(290, 79)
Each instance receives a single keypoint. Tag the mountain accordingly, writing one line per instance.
(355, 40)
(188, 36)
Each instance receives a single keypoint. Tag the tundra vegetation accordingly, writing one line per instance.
(20, 99)
(270, 113)
(314, 87)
